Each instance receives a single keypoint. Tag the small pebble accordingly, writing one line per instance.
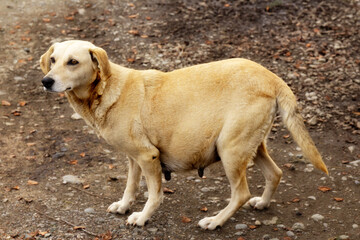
(240, 233)
(152, 230)
(298, 226)
(241, 226)
(344, 237)
(76, 116)
(317, 217)
(18, 78)
(89, 210)
(58, 155)
(354, 226)
(71, 179)
(351, 148)
(270, 222)
(312, 197)
(290, 234)
(266, 237)
(205, 189)
(63, 149)
(281, 226)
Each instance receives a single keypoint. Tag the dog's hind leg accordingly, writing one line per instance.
(234, 163)
(132, 185)
(272, 174)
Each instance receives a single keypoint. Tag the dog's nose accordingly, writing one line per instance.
(48, 82)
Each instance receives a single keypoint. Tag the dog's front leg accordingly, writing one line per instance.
(132, 185)
(150, 165)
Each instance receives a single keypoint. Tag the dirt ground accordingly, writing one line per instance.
(313, 45)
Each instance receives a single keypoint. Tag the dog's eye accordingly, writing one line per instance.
(72, 62)
(52, 60)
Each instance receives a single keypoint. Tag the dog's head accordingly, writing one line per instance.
(73, 66)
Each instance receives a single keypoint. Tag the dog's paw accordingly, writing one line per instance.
(208, 223)
(258, 203)
(136, 218)
(119, 207)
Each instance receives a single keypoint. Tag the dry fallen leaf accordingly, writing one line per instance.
(79, 227)
(73, 162)
(338, 199)
(324, 189)
(46, 20)
(32, 182)
(16, 113)
(15, 188)
(204, 209)
(22, 103)
(295, 200)
(168, 190)
(86, 186)
(252, 226)
(134, 32)
(111, 166)
(288, 165)
(82, 154)
(69, 18)
(185, 219)
(67, 139)
(5, 103)
(42, 233)
(286, 136)
(30, 144)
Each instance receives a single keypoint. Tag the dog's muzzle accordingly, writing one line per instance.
(48, 82)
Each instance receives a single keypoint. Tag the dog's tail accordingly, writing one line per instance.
(295, 124)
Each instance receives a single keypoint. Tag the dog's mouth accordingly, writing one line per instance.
(51, 90)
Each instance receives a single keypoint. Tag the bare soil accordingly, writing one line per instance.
(313, 45)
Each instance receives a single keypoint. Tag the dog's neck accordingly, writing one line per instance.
(85, 100)
(92, 102)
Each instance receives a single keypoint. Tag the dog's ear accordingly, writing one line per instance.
(101, 61)
(45, 60)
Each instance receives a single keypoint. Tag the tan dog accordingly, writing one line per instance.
(181, 120)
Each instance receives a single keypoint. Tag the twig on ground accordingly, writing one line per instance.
(89, 193)
(67, 223)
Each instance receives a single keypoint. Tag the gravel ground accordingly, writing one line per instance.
(57, 178)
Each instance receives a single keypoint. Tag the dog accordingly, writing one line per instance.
(180, 120)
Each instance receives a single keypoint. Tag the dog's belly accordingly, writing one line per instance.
(188, 160)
